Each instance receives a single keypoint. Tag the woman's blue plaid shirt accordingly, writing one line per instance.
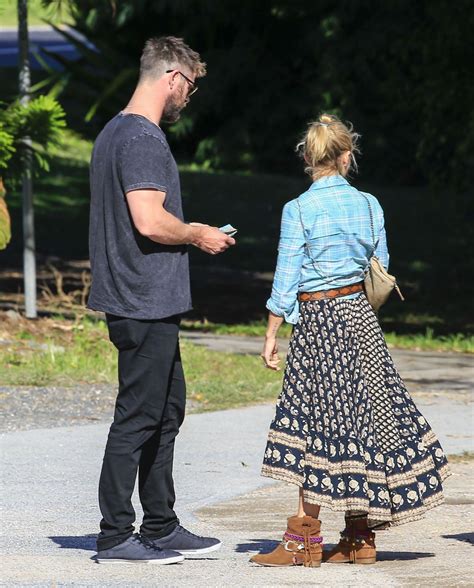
(325, 242)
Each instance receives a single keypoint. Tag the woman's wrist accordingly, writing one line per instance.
(274, 323)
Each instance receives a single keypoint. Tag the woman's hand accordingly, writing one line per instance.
(270, 347)
(269, 354)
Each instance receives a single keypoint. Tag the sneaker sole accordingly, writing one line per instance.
(188, 552)
(168, 560)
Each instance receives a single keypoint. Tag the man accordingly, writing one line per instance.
(140, 279)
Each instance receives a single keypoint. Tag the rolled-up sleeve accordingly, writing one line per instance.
(283, 300)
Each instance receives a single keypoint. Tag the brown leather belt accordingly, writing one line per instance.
(333, 293)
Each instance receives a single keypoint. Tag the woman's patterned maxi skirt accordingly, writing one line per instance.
(346, 430)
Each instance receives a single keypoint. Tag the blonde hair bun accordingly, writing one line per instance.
(327, 119)
(325, 140)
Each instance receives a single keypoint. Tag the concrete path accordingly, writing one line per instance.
(50, 513)
(433, 552)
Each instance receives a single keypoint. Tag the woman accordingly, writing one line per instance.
(346, 431)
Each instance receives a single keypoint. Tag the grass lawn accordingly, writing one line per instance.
(230, 290)
(57, 352)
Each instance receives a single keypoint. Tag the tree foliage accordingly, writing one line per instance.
(398, 69)
(41, 120)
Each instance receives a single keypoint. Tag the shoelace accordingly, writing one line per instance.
(186, 532)
(147, 544)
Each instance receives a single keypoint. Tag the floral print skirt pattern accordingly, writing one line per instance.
(346, 429)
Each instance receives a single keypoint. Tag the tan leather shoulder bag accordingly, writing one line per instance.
(378, 283)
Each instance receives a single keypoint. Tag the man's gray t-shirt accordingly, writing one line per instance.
(132, 276)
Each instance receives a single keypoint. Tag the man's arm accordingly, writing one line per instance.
(153, 221)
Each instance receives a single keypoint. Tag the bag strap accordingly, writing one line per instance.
(372, 230)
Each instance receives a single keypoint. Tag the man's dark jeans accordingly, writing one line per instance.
(148, 413)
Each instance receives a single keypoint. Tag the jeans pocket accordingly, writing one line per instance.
(122, 332)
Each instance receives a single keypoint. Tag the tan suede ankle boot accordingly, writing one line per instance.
(357, 545)
(301, 545)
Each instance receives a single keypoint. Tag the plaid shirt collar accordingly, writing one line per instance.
(329, 182)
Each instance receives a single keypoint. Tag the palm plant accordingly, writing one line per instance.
(42, 120)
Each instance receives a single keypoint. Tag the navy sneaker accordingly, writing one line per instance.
(137, 549)
(187, 543)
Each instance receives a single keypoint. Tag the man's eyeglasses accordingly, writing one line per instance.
(192, 85)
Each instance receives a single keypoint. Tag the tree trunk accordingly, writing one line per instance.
(24, 79)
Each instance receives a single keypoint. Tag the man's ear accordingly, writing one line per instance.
(171, 80)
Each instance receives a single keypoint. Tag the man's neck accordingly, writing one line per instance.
(140, 103)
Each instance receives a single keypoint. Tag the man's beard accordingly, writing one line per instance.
(172, 110)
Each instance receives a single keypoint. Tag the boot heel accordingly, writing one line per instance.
(365, 560)
(313, 564)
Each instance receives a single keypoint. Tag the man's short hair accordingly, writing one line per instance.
(163, 53)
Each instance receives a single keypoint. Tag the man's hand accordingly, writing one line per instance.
(269, 354)
(211, 240)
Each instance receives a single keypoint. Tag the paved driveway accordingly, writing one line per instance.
(50, 514)
(50, 510)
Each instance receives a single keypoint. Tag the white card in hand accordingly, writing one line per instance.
(228, 230)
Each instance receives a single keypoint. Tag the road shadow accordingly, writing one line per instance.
(85, 542)
(259, 545)
(465, 537)
(402, 555)
(265, 546)
(88, 543)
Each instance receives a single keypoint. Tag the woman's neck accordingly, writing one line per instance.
(327, 174)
